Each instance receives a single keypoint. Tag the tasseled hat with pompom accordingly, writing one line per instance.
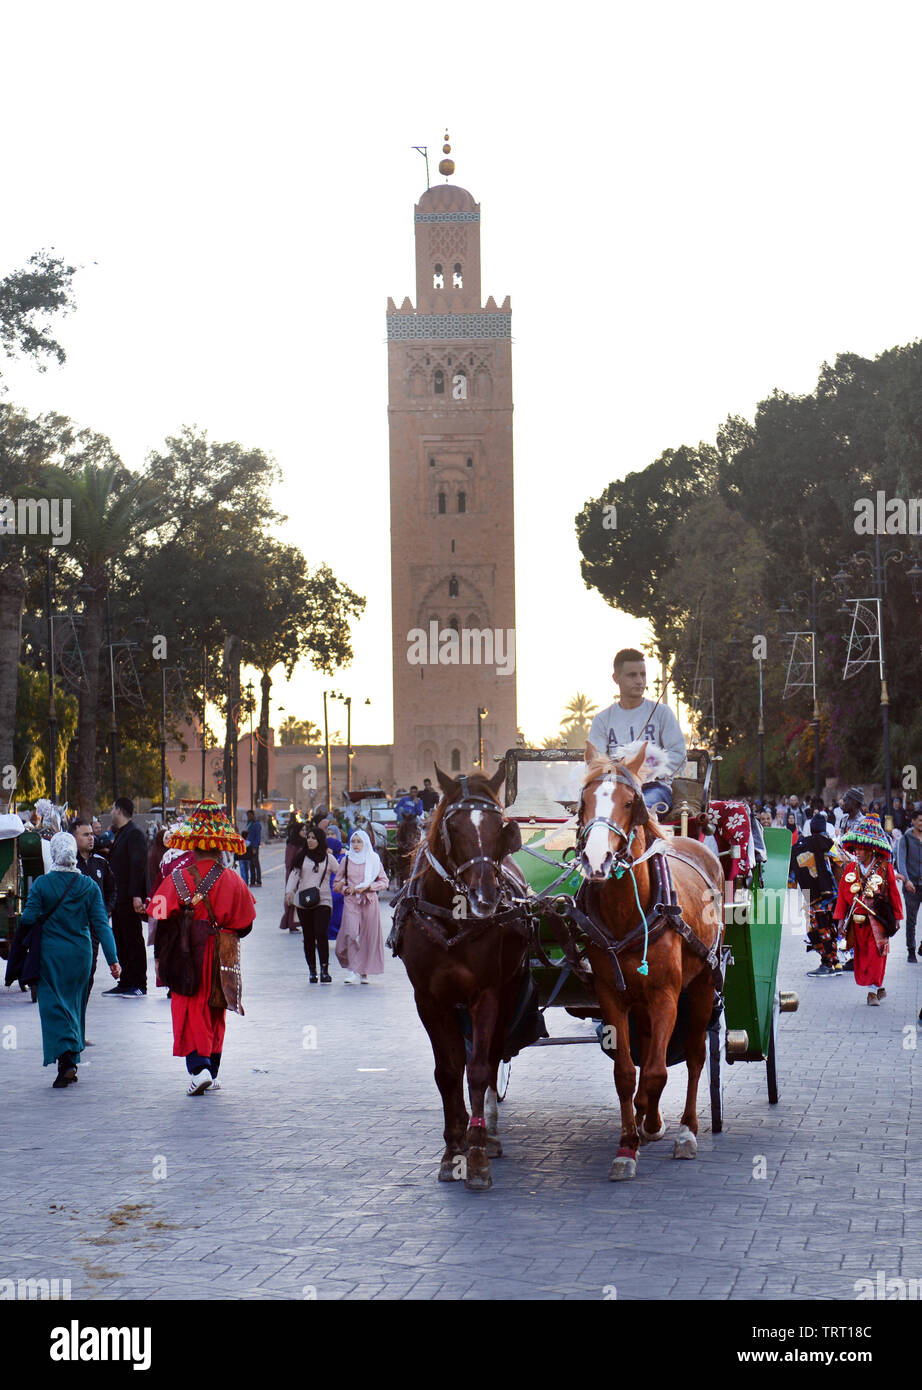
(208, 828)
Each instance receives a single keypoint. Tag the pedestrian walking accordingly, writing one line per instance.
(293, 846)
(361, 877)
(253, 836)
(53, 946)
(335, 846)
(909, 871)
(309, 890)
(224, 910)
(814, 876)
(868, 904)
(128, 862)
(94, 866)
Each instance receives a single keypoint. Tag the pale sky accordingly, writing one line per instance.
(688, 205)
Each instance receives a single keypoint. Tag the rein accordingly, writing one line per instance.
(431, 915)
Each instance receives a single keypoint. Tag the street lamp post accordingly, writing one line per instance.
(52, 715)
(250, 709)
(481, 716)
(163, 742)
(326, 745)
(113, 726)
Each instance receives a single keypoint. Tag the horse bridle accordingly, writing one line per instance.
(622, 858)
(450, 872)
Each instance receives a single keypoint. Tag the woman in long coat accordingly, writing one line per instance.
(361, 876)
(65, 901)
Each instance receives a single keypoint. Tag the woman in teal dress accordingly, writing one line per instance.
(66, 953)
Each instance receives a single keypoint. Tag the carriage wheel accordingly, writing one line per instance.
(771, 1072)
(717, 1117)
(503, 1072)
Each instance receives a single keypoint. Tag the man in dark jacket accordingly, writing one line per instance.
(95, 867)
(128, 862)
(812, 872)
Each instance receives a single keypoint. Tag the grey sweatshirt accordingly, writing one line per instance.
(614, 726)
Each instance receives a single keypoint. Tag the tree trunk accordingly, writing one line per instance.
(232, 654)
(262, 746)
(12, 598)
(90, 634)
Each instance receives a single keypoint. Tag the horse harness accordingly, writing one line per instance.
(666, 911)
(431, 916)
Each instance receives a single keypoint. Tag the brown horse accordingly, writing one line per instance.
(465, 943)
(616, 831)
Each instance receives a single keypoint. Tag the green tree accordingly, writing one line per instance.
(41, 290)
(294, 732)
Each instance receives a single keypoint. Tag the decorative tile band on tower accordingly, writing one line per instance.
(433, 326)
(447, 217)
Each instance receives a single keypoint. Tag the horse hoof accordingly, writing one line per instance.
(686, 1145)
(453, 1166)
(494, 1147)
(623, 1166)
(646, 1138)
(478, 1182)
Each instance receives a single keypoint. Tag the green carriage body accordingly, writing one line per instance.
(753, 934)
(754, 922)
(20, 862)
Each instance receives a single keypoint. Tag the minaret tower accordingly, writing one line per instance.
(452, 537)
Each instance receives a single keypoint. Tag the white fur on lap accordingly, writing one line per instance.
(655, 764)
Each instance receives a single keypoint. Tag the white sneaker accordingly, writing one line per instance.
(350, 978)
(200, 1083)
(364, 979)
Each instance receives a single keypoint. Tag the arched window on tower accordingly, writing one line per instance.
(454, 623)
(442, 504)
(457, 281)
(439, 380)
(456, 760)
(453, 586)
(438, 277)
(462, 501)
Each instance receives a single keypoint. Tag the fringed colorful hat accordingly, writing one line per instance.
(868, 831)
(208, 828)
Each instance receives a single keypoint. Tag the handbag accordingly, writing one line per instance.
(226, 981)
(310, 897)
(175, 962)
(30, 943)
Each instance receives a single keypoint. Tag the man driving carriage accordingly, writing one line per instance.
(632, 720)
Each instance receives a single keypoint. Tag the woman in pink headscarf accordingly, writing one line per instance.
(361, 876)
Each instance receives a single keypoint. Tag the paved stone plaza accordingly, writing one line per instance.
(313, 1172)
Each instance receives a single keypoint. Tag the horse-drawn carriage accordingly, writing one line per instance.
(20, 862)
(543, 789)
(578, 896)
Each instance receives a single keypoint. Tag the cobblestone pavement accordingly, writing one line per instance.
(313, 1172)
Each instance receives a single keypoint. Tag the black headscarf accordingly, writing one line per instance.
(294, 830)
(317, 855)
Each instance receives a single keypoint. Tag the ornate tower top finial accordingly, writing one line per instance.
(446, 166)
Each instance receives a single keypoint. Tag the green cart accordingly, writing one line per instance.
(546, 783)
(20, 863)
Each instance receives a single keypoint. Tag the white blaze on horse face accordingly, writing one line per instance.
(598, 852)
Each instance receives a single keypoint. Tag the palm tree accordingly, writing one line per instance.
(579, 711)
(297, 731)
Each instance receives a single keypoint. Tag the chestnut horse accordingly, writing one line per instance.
(464, 942)
(618, 841)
